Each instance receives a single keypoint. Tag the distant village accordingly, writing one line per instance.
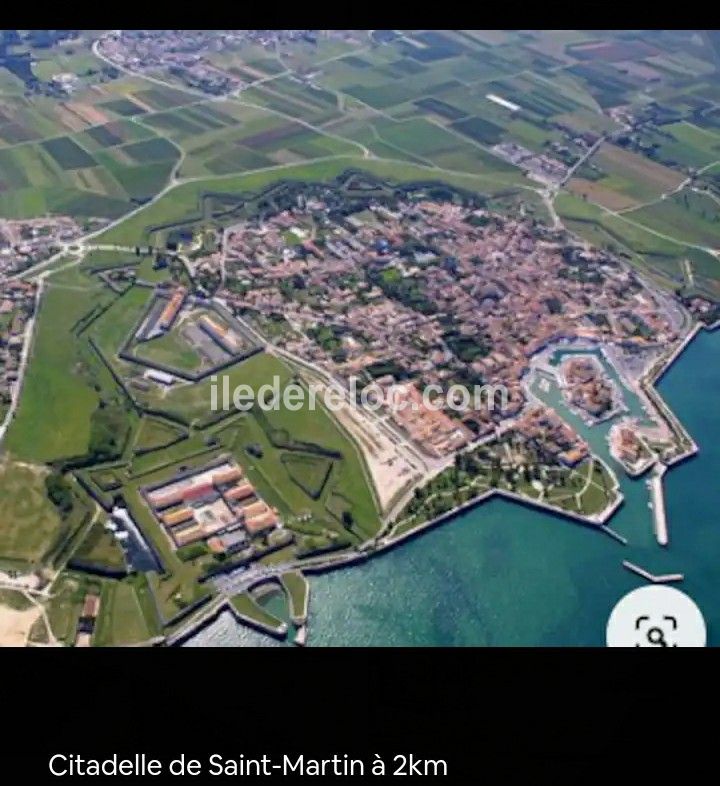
(17, 305)
(23, 244)
(187, 55)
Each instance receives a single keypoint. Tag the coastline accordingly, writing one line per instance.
(210, 615)
(648, 386)
(387, 543)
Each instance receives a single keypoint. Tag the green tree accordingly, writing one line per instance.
(59, 492)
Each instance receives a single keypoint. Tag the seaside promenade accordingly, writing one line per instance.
(657, 504)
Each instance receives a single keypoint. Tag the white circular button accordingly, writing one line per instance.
(656, 616)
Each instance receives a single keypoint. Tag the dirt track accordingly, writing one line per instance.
(15, 625)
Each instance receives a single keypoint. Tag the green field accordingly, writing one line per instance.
(104, 260)
(687, 216)
(308, 471)
(125, 107)
(154, 433)
(161, 97)
(685, 144)
(100, 548)
(60, 175)
(151, 150)
(111, 134)
(242, 137)
(68, 154)
(170, 349)
(53, 419)
(298, 591)
(121, 619)
(30, 523)
(426, 79)
(652, 254)
(183, 201)
(72, 157)
(114, 326)
(454, 148)
(634, 175)
(247, 606)
(65, 605)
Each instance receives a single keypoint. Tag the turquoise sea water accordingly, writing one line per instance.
(503, 574)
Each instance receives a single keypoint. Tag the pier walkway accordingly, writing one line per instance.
(665, 578)
(658, 504)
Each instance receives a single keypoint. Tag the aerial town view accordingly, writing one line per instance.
(341, 337)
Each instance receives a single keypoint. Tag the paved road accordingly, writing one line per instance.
(22, 368)
(588, 154)
(242, 579)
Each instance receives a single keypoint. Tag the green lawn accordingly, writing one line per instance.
(154, 433)
(298, 590)
(193, 401)
(246, 605)
(308, 471)
(29, 522)
(170, 349)
(65, 605)
(121, 619)
(115, 325)
(15, 600)
(53, 419)
(595, 496)
(103, 260)
(99, 547)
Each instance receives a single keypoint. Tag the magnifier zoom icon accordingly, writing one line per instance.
(656, 616)
(656, 637)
